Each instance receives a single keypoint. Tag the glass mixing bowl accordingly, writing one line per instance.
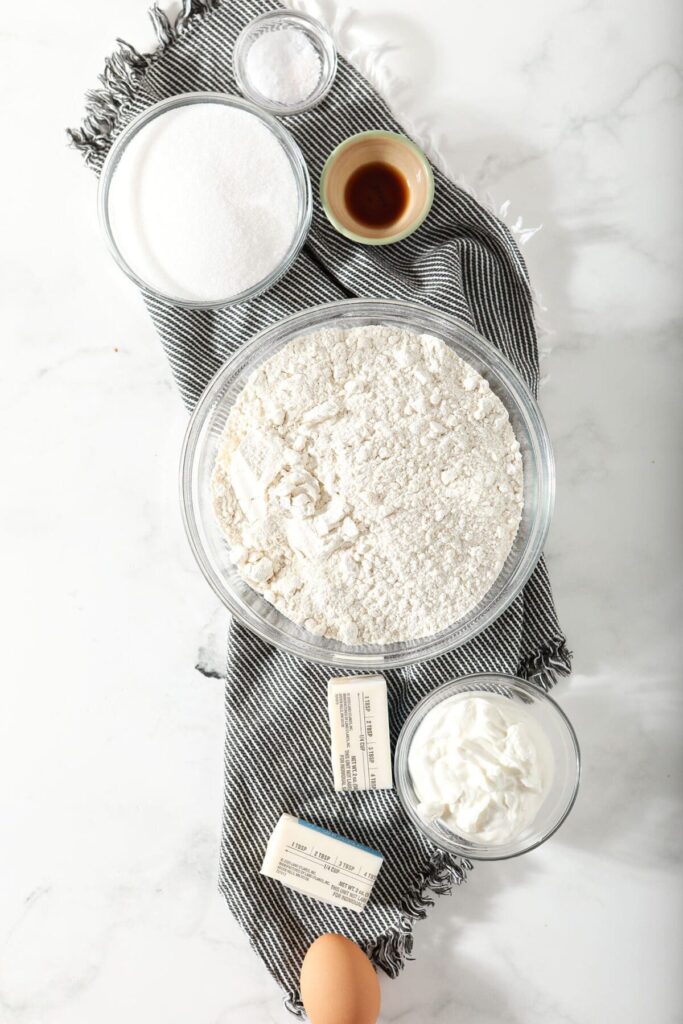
(211, 548)
(292, 152)
(274, 21)
(566, 766)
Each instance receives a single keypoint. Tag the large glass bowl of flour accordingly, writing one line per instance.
(204, 438)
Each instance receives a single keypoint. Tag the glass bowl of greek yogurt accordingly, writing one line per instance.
(487, 766)
(253, 601)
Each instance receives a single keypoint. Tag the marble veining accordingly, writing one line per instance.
(566, 115)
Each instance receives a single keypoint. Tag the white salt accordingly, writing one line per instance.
(283, 66)
(203, 203)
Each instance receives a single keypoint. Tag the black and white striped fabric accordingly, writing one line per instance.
(277, 758)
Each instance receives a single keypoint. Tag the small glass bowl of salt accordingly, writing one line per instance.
(285, 62)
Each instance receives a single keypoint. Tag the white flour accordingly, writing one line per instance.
(369, 483)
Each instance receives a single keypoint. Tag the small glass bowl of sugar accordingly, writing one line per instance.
(285, 62)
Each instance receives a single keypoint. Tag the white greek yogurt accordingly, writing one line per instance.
(481, 764)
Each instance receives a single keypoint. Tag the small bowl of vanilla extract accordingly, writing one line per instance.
(377, 187)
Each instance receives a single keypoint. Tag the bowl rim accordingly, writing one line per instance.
(465, 684)
(311, 25)
(374, 659)
(297, 163)
(354, 236)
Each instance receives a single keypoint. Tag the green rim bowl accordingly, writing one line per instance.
(369, 147)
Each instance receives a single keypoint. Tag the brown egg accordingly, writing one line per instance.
(338, 983)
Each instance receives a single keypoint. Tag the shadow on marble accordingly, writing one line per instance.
(442, 963)
(631, 797)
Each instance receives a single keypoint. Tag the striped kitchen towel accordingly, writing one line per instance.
(277, 759)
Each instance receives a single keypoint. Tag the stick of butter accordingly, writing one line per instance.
(321, 864)
(359, 725)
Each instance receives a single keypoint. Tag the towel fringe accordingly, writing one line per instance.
(292, 1002)
(545, 666)
(122, 71)
(393, 948)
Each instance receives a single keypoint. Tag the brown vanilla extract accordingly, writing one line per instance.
(376, 194)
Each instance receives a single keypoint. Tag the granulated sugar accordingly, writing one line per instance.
(369, 483)
(203, 203)
(283, 66)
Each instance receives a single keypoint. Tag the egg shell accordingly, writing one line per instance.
(338, 983)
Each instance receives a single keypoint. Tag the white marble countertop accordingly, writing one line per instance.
(110, 741)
